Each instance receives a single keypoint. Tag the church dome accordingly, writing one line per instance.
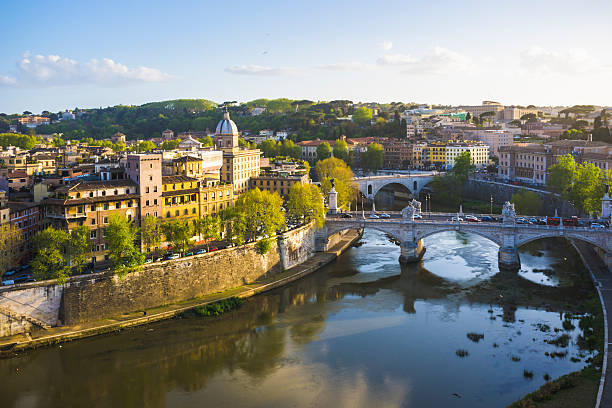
(226, 126)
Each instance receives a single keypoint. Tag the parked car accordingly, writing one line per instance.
(172, 256)
(10, 273)
(522, 220)
(417, 216)
(346, 215)
(200, 251)
(457, 219)
(148, 260)
(596, 225)
(8, 282)
(213, 248)
(189, 254)
(486, 218)
(374, 216)
(471, 218)
(385, 215)
(533, 221)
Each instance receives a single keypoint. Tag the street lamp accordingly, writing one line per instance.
(491, 205)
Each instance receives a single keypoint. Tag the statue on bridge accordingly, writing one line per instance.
(508, 213)
(413, 207)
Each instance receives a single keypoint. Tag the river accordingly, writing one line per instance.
(361, 332)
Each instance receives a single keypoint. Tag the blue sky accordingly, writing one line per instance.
(59, 55)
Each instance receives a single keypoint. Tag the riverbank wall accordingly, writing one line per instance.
(40, 305)
(483, 190)
(10, 346)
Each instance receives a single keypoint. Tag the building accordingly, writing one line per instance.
(526, 162)
(309, 148)
(511, 113)
(33, 121)
(397, 154)
(167, 134)
(146, 171)
(492, 138)
(280, 175)
(26, 218)
(435, 154)
(118, 138)
(239, 164)
(479, 153)
(418, 153)
(215, 196)
(487, 106)
(91, 204)
(189, 143)
(180, 198)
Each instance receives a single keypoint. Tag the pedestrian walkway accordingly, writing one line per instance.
(603, 282)
(10, 345)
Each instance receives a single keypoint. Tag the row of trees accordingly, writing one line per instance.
(448, 189)
(257, 217)
(582, 184)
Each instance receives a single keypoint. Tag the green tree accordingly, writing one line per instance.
(170, 144)
(462, 167)
(78, 248)
(529, 117)
(323, 151)
(262, 213)
(150, 233)
(49, 255)
(206, 141)
(209, 227)
(587, 189)
(338, 170)
(562, 174)
(269, 148)
(526, 202)
(305, 204)
(341, 150)
(233, 225)
(145, 146)
(290, 149)
(362, 116)
(179, 234)
(372, 159)
(122, 251)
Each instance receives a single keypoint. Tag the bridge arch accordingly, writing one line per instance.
(567, 235)
(495, 238)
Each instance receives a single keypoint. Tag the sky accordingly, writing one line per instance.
(61, 55)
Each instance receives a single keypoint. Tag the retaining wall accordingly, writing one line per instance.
(98, 296)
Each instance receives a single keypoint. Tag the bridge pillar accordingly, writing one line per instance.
(411, 251)
(508, 259)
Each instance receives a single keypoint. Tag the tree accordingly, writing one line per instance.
(587, 189)
(468, 116)
(305, 204)
(323, 151)
(529, 117)
(209, 227)
(341, 150)
(290, 149)
(145, 146)
(206, 141)
(233, 225)
(49, 261)
(372, 159)
(269, 148)
(338, 170)
(78, 248)
(362, 116)
(10, 242)
(262, 213)
(462, 167)
(150, 233)
(562, 174)
(121, 238)
(179, 234)
(526, 202)
(169, 144)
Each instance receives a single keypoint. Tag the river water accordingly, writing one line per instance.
(361, 332)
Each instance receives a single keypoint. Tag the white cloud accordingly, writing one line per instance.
(539, 60)
(346, 66)
(259, 70)
(439, 61)
(386, 45)
(53, 70)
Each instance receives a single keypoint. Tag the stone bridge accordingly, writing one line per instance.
(508, 235)
(370, 186)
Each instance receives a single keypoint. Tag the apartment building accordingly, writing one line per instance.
(525, 162)
(180, 196)
(479, 153)
(91, 204)
(215, 196)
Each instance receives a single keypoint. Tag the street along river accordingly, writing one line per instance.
(361, 332)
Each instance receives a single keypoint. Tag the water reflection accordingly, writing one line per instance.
(352, 334)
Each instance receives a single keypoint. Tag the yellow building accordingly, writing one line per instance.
(215, 196)
(436, 153)
(180, 198)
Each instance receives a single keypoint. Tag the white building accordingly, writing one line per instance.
(479, 153)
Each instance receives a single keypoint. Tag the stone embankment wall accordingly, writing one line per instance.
(98, 296)
(483, 190)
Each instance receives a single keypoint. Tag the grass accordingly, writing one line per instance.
(561, 341)
(220, 307)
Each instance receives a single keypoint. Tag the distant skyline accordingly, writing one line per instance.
(62, 55)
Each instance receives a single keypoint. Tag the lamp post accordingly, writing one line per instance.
(491, 205)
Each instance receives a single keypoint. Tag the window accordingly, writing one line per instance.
(150, 178)
(118, 204)
(93, 221)
(147, 203)
(78, 195)
(147, 189)
(91, 193)
(106, 206)
(103, 193)
(193, 210)
(106, 222)
(155, 189)
(116, 192)
(155, 201)
(176, 213)
(93, 234)
(168, 214)
(93, 207)
(185, 212)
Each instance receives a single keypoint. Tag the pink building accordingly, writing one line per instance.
(146, 171)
